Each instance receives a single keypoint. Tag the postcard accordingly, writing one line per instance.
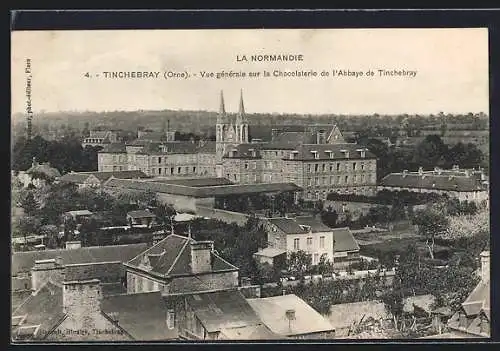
(237, 184)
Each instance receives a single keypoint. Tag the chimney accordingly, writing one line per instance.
(201, 256)
(82, 302)
(485, 266)
(71, 245)
(420, 171)
(320, 137)
(405, 173)
(45, 270)
(456, 167)
(33, 162)
(290, 315)
(274, 133)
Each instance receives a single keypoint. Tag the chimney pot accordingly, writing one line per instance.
(485, 265)
(201, 256)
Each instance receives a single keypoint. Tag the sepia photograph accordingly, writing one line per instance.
(250, 184)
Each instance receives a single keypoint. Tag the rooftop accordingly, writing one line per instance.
(25, 260)
(142, 315)
(432, 181)
(201, 191)
(44, 169)
(141, 214)
(223, 310)
(194, 182)
(270, 252)
(81, 177)
(273, 312)
(172, 256)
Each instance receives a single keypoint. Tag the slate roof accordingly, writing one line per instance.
(200, 192)
(290, 140)
(315, 223)
(79, 213)
(272, 312)
(287, 225)
(25, 260)
(81, 177)
(253, 332)
(195, 182)
(223, 310)
(245, 151)
(44, 169)
(432, 181)
(106, 272)
(142, 315)
(114, 148)
(45, 308)
(306, 152)
(172, 256)
(344, 240)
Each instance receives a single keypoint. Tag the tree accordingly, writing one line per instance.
(88, 232)
(393, 302)
(167, 214)
(324, 265)
(299, 262)
(69, 225)
(51, 232)
(329, 217)
(29, 204)
(431, 222)
(28, 225)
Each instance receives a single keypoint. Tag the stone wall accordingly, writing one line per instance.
(204, 282)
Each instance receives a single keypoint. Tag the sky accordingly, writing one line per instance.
(451, 65)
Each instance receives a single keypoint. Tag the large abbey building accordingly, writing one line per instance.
(317, 159)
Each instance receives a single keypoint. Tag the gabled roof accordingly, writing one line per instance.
(314, 223)
(25, 260)
(43, 308)
(270, 252)
(106, 272)
(432, 181)
(143, 315)
(172, 256)
(272, 312)
(113, 148)
(253, 332)
(308, 152)
(287, 225)
(223, 310)
(290, 140)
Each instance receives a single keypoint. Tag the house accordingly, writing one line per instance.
(96, 179)
(465, 185)
(309, 234)
(179, 264)
(73, 307)
(38, 174)
(274, 257)
(473, 320)
(221, 315)
(78, 215)
(101, 138)
(289, 316)
(24, 262)
(141, 217)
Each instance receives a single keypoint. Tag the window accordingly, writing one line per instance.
(346, 179)
(338, 167)
(296, 244)
(246, 165)
(172, 170)
(316, 258)
(316, 166)
(194, 169)
(159, 170)
(309, 242)
(331, 167)
(159, 159)
(178, 170)
(309, 168)
(324, 167)
(354, 166)
(362, 166)
(170, 319)
(321, 242)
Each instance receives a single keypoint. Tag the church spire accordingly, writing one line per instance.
(222, 108)
(241, 111)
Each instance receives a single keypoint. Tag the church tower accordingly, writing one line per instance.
(231, 130)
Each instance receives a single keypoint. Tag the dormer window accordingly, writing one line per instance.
(315, 153)
(293, 155)
(233, 153)
(345, 152)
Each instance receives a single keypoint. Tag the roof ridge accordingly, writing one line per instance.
(177, 257)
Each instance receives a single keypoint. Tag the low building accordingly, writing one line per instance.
(73, 307)
(179, 264)
(186, 197)
(78, 215)
(38, 175)
(289, 316)
(141, 217)
(221, 315)
(309, 234)
(96, 179)
(473, 320)
(465, 185)
(271, 256)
